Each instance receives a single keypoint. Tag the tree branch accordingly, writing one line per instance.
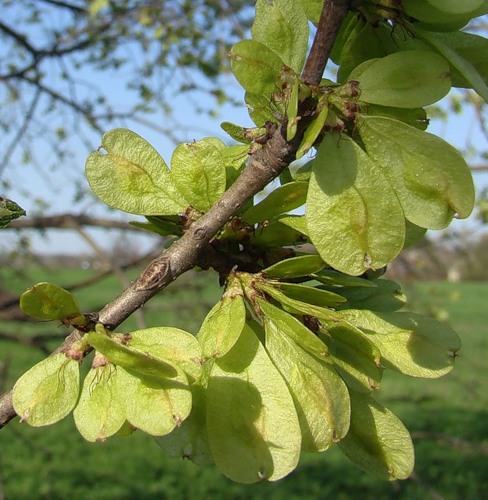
(333, 14)
(264, 166)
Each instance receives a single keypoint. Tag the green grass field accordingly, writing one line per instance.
(448, 419)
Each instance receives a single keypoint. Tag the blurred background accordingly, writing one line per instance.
(72, 70)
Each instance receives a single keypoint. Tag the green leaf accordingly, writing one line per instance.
(312, 9)
(100, 412)
(364, 42)
(132, 177)
(416, 117)
(263, 109)
(429, 176)
(190, 439)
(343, 206)
(310, 294)
(295, 267)
(335, 279)
(252, 423)
(413, 234)
(237, 132)
(48, 301)
(198, 172)
(223, 325)
(138, 363)
(9, 210)
(409, 343)
(48, 391)
(297, 307)
(161, 227)
(314, 129)
(296, 222)
(441, 13)
(256, 67)
(275, 234)
(155, 406)
(405, 79)
(320, 395)
(356, 358)
(282, 26)
(387, 296)
(377, 441)
(455, 6)
(282, 200)
(290, 326)
(466, 55)
(170, 344)
(347, 26)
(292, 109)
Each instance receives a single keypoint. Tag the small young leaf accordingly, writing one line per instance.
(132, 177)
(256, 67)
(223, 325)
(377, 441)
(320, 396)
(311, 295)
(429, 176)
(48, 301)
(314, 129)
(48, 391)
(295, 267)
(282, 200)
(9, 210)
(282, 26)
(237, 132)
(100, 412)
(335, 279)
(297, 307)
(405, 79)
(198, 171)
(343, 206)
(155, 406)
(292, 110)
(293, 328)
(409, 343)
(252, 422)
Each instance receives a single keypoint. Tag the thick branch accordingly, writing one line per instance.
(264, 166)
